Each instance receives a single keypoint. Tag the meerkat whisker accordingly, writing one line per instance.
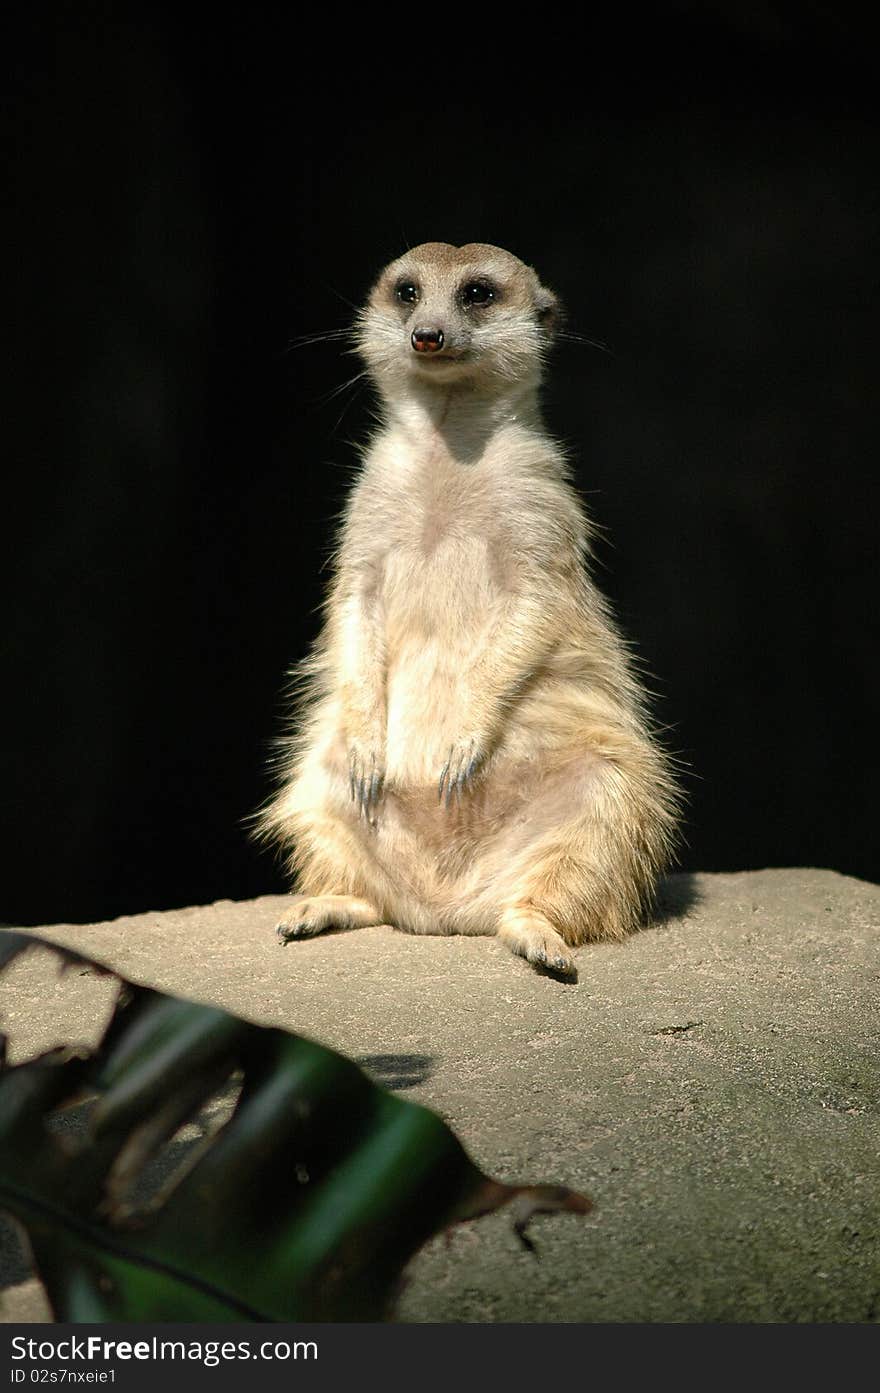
(322, 336)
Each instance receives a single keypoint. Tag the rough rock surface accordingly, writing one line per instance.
(713, 1084)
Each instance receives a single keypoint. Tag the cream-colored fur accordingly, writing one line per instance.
(470, 751)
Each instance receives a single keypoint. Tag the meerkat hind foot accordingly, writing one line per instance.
(529, 934)
(312, 914)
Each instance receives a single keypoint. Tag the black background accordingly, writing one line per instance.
(190, 194)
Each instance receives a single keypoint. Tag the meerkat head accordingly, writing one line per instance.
(474, 315)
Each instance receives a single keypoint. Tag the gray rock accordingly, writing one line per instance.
(713, 1084)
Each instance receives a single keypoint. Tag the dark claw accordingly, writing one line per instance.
(365, 786)
(562, 967)
(450, 785)
(443, 774)
(288, 932)
(455, 777)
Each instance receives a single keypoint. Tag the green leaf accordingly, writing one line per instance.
(305, 1205)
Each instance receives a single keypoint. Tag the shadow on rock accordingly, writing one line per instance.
(397, 1070)
(677, 895)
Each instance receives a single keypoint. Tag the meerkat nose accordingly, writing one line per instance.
(427, 340)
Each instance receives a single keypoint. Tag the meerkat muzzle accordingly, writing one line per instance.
(427, 340)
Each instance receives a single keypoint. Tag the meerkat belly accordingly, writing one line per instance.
(439, 616)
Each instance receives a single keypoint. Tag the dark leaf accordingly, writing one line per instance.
(305, 1204)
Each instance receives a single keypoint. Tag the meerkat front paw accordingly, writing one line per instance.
(366, 773)
(459, 773)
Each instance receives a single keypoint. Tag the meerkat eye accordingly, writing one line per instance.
(477, 293)
(406, 292)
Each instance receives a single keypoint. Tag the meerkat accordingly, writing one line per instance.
(470, 752)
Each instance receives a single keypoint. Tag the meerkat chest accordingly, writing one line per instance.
(441, 607)
(441, 571)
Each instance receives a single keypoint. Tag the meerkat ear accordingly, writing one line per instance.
(548, 308)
